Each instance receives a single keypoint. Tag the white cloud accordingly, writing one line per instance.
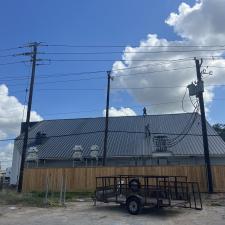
(201, 24)
(6, 152)
(120, 112)
(11, 112)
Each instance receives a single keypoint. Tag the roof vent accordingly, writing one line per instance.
(40, 137)
(32, 154)
(94, 151)
(144, 111)
(78, 150)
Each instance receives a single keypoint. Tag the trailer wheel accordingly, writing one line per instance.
(133, 205)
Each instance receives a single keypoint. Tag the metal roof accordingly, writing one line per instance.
(122, 139)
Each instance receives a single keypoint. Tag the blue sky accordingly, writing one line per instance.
(100, 22)
(83, 22)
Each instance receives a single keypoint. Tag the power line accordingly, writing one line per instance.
(126, 106)
(174, 141)
(117, 88)
(121, 88)
(6, 56)
(96, 78)
(130, 52)
(10, 49)
(112, 131)
(113, 60)
(122, 46)
(11, 63)
(99, 71)
(95, 72)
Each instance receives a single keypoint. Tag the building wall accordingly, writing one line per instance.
(15, 166)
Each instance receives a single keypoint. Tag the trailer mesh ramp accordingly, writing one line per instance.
(195, 200)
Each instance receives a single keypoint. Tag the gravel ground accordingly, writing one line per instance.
(84, 213)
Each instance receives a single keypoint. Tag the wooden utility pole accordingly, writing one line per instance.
(26, 128)
(106, 119)
(204, 129)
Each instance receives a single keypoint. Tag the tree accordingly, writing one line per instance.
(220, 129)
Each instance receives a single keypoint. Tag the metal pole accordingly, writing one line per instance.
(204, 131)
(26, 129)
(106, 120)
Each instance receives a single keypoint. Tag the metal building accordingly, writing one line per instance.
(167, 139)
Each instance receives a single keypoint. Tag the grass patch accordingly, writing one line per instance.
(9, 197)
(215, 204)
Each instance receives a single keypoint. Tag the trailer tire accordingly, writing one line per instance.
(133, 205)
(134, 185)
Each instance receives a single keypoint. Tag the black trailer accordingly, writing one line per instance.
(138, 191)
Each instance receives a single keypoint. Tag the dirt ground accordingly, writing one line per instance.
(84, 213)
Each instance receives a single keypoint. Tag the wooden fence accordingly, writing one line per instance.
(83, 179)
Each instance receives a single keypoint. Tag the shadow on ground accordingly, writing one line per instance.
(153, 212)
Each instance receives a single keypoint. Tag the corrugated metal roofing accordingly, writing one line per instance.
(120, 143)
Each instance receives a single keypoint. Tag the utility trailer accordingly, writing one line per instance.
(138, 191)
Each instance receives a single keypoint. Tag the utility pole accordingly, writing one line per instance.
(26, 128)
(106, 119)
(204, 129)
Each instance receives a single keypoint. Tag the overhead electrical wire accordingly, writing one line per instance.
(114, 70)
(124, 60)
(11, 63)
(121, 88)
(130, 52)
(174, 141)
(126, 106)
(46, 76)
(122, 46)
(10, 49)
(112, 131)
(117, 88)
(99, 77)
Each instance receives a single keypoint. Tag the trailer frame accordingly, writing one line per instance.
(138, 191)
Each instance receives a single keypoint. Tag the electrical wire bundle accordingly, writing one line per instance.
(174, 141)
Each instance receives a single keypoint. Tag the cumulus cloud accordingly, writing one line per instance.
(11, 113)
(120, 112)
(200, 24)
(6, 152)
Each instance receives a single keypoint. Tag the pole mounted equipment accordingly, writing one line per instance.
(26, 128)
